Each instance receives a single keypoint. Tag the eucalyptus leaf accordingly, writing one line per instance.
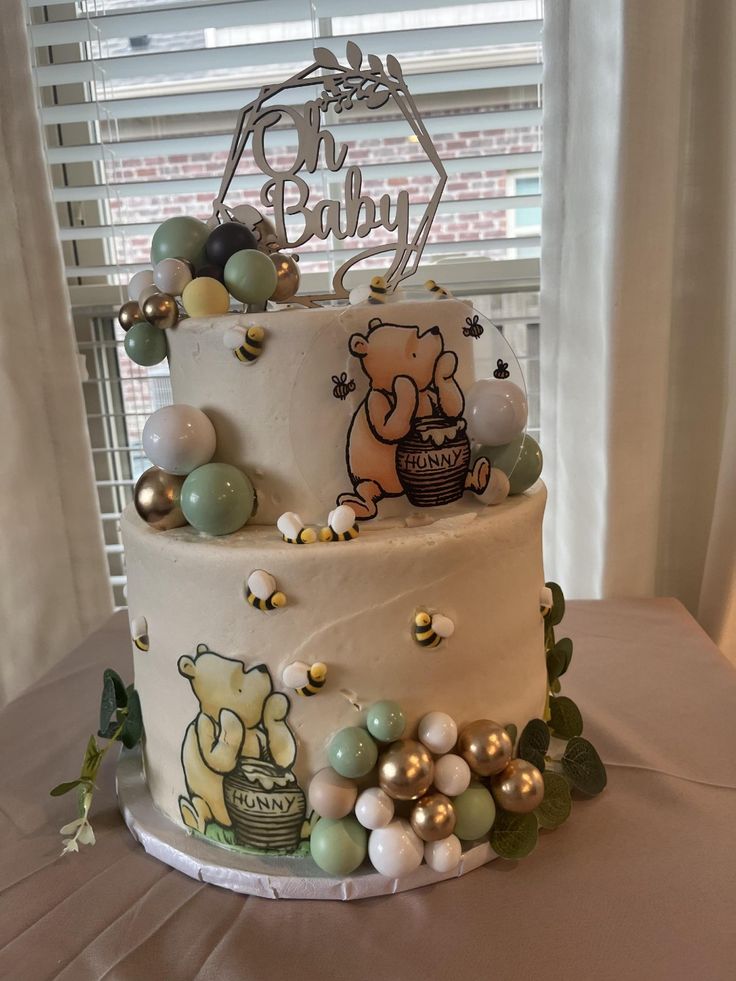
(514, 836)
(108, 704)
(583, 767)
(92, 759)
(121, 692)
(557, 612)
(63, 788)
(512, 731)
(565, 718)
(556, 687)
(533, 742)
(133, 728)
(557, 804)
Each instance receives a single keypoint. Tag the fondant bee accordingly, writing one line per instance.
(245, 343)
(293, 530)
(439, 291)
(430, 631)
(305, 679)
(474, 327)
(378, 290)
(341, 525)
(343, 387)
(261, 592)
(139, 633)
(502, 369)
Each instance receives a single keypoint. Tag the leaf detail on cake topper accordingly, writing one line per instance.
(375, 62)
(326, 58)
(395, 68)
(354, 55)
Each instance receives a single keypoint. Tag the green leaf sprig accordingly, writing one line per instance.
(120, 721)
(580, 768)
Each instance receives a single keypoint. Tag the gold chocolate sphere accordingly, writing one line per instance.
(519, 787)
(405, 770)
(433, 817)
(156, 497)
(160, 310)
(288, 277)
(129, 314)
(485, 746)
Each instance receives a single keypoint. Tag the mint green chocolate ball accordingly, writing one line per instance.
(338, 846)
(352, 752)
(251, 276)
(180, 238)
(146, 345)
(217, 498)
(386, 721)
(475, 812)
(521, 460)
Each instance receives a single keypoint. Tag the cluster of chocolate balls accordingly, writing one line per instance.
(433, 792)
(203, 267)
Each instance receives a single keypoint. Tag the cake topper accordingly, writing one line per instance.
(288, 194)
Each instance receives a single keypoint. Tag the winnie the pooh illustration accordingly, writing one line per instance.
(241, 719)
(412, 381)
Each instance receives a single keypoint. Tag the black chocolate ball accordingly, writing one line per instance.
(212, 271)
(227, 239)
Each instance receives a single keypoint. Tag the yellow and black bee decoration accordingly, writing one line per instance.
(139, 633)
(343, 387)
(502, 369)
(293, 530)
(342, 525)
(378, 290)
(429, 631)
(305, 679)
(261, 592)
(474, 328)
(246, 343)
(439, 291)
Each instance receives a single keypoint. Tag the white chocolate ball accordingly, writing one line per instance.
(451, 775)
(438, 732)
(331, 795)
(395, 850)
(496, 410)
(374, 809)
(172, 276)
(142, 280)
(443, 855)
(179, 438)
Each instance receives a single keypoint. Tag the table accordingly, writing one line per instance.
(640, 882)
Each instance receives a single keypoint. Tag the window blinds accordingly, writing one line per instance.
(139, 101)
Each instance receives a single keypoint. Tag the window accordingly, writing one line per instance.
(139, 100)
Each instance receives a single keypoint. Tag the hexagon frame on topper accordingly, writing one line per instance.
(343, 86)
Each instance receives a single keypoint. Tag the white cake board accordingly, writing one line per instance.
(274, 877)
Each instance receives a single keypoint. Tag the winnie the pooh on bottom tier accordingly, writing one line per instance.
(241, 720)
(413, 392)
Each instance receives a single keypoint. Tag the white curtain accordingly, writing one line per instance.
(639, 332)
(53, 577)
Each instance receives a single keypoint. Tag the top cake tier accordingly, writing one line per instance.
(340, 400)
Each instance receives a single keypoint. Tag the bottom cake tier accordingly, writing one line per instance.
(237, 710)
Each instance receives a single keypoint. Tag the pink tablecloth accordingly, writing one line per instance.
(640, 883)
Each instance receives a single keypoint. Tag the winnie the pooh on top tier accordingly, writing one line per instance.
(408, 435)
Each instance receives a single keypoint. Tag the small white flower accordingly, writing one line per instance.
(85, 835)
(70, 828)
(70, 845)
